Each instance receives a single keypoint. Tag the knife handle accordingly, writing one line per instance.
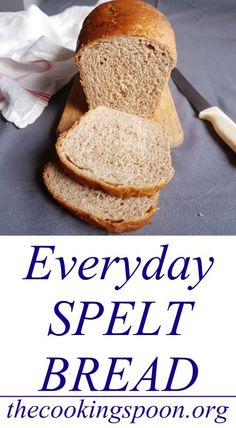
(222, 124)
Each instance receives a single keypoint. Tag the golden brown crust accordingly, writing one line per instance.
(110, 226)
(113, 190)
(122, 18)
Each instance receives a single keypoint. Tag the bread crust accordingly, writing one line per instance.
(114, 190)
(118, 190)
(122, 18)
(110, 226)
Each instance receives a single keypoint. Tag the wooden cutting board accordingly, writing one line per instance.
(165, 114)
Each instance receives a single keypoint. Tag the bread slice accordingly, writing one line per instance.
(122, 154)
(125, 53)
(96, 207)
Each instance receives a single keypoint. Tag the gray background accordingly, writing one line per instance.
(205, 178)
(14, 5)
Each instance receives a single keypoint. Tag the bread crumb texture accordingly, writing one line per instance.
(117, 148)
(125, 52)
(109, 212)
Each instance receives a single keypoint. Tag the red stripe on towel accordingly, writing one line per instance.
(47, 64)
(43, 95)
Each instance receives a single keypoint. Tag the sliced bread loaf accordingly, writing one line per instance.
(96, 207)
(125, 53)
(120, 153)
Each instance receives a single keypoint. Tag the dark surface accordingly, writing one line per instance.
(201, 198)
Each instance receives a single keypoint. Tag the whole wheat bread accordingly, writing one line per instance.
(96, 207)
(125, 53)
(120, 153)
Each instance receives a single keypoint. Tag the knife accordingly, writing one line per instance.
(222, 124)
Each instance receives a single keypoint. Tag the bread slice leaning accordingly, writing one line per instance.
(125, 52)
(96, 207)
(120, 153)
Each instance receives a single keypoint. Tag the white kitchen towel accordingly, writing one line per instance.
(36, 59)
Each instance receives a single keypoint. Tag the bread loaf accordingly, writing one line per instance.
(120, 153)
(96, 207)
(125, 53)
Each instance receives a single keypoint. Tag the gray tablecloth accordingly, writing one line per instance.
(201, 198)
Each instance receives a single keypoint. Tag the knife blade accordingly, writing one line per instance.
(222, 124)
